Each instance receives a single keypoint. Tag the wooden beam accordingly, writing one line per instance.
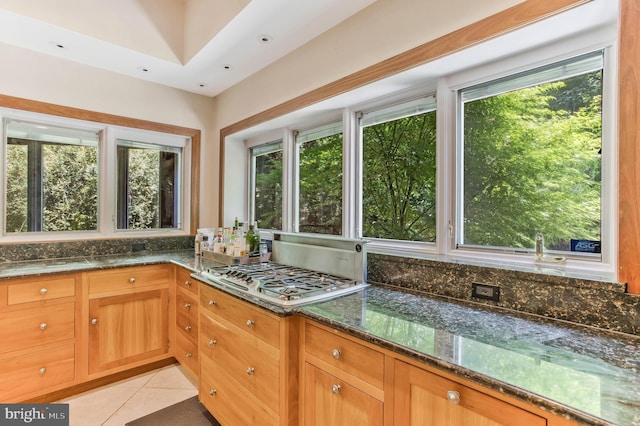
(629, 146)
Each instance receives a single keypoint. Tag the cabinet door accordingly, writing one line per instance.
(423, 398)
(126, 329)
(331, 401)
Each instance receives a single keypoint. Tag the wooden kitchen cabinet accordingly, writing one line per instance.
(39, 319)
(128, 317)
(343, 379)
(248, 362)
(424, 398)
(185, 348)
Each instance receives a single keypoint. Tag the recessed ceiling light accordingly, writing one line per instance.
(265, 38)
(144, 69)
(226, 66)
(57, 44)
(202, 85)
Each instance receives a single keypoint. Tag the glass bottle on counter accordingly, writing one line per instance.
(249, 239)
(197, 243)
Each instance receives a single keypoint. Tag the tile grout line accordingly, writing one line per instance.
(129, 399)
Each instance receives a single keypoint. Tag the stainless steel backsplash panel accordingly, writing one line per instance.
(333, 255)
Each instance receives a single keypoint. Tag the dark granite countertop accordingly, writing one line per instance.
(26, 268)
(589, 375)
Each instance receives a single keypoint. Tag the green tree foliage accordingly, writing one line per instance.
(70, 182)
(16, 188)
(530, 165)
(268, 190)
(320, 191)
(144, 188)
(399, 179)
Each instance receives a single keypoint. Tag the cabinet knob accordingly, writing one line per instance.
(43, 291)
(250, 371)
(187, 305)
(94, 321)
(43, 326)
(212, 302)
(336, 353)
(212, 342)
(42, 371)
(250, 323)
(188, 355)
(132, 280)
(336, 389)
(187, 328)
(453, 397)
(212, 392)
(187, 283)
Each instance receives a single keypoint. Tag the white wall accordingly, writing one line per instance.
(384, 29)
(31, 75)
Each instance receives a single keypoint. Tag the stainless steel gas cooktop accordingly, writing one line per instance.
(338, 269)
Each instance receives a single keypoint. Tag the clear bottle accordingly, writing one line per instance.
(255, 247)
(197, 243)
(539, 246)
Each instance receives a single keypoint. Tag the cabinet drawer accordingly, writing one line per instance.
(345, 354)
(247, 360)
(36, 290)
(330, 401)
(129, 279)
(252, 320)
(422, 397)
(36, 373)
(186, 352)
(228, 403)
(187, 315)
(35, 326)
(185, 282)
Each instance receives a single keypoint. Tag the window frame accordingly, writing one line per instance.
(265, 149)
(104, 125)
(609, 179)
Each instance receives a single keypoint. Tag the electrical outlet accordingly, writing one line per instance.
(485, 291)
(135, 247)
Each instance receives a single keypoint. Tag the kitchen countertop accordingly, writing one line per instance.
(589, 375)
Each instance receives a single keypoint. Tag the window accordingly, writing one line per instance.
(320, 180)
(530, 152)
(148, 185)
(399, 172)
(266, 175)
(66, 178)
(51, 178)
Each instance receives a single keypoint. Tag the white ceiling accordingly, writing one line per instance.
(200, 46)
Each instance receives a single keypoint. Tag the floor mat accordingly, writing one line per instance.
(186, 413)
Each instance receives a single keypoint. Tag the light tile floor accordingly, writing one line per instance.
(124, 401)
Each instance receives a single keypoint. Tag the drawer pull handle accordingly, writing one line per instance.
(453, 397)
(188, 355)
(212, 342)
(43, 291)
(132, 280)
(94, 321)
(250, 371)
(212, 392)
(336, 353)
(212, 302)
(43, 326)
(250, 323)
(187, 328)
(336, 389)
(187, 283)
(42, 371)
(187, 305)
